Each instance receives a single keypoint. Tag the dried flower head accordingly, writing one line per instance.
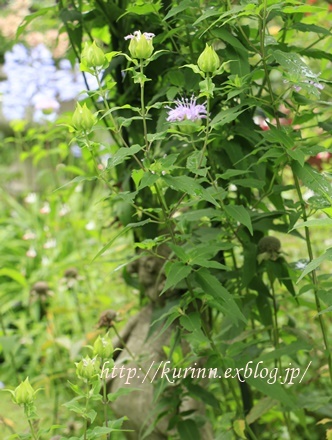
(41, 290)
(71, 272)
(107, 318)
(268, 248)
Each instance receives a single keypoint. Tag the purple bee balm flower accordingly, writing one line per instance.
(186, 110)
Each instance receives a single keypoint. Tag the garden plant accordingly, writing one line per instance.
(178, 227)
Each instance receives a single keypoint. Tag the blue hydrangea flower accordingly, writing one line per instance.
(186, 109)
(36, 86)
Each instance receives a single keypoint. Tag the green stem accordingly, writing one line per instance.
(32, 430)
(104, 387)
(314, 276)
(143, 110)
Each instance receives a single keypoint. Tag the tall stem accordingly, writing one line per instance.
(314, 278)
(143, 110)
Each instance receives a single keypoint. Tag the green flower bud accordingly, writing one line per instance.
(93, 56)
(87, 368)
(189, 127)
(208, 61)
(140, 45)
(24, 393)
(103, 347)
(83, 119)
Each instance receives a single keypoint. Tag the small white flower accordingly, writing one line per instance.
(31, 253)
(45, 209)
(90, 226)
(29, 236)
(31, 198)
(50, 244)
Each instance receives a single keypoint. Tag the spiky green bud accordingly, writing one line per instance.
(24, 393)
(103, 347)
(83, 119)
(140, 45)
(87, 368)
(93, 57)
(208, 61)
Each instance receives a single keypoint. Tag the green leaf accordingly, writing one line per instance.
(318, 222)
(29, 18)
(293, 64)
(275, 391)
(123, 231)
(316, 262)
(226, 116)
(303, 27)
(183, 6)
(240, 214)
(203, 394)
(232, 173)
(123, 154)
(14, 275)
(260, 408)
(313, 180)
(297, 155)
(226, 36)
(175, 272)
(121, 392)
(279, 135)
(191, 322)
(250, 263)
(137, 176)
(188, 430)
(303, 9)
(212, 286)
(77, 179)
(287, 350)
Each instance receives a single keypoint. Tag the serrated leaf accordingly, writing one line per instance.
(226, 116)
(29, 18)
(315, 263)
(318, 222)
(304, 27)
(183, 6)
(240, 214)
(203, 394)
(111, 397)
(313, 180)
(293, 64)
(123, 231)
(122, 154)
(77, 179)
(175, 272)
(191, 322)
(212, 286)
(260, 408)
(275, 391)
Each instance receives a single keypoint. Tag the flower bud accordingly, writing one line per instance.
(140, 45)
(208, 61)
(87, 368)
(83, 119)
(103, 347)
(93, 56)
(24, 393)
